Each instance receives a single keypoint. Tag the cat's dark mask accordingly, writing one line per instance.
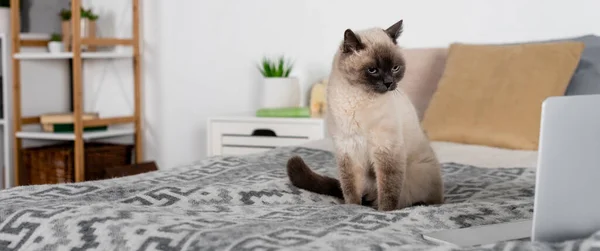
(377, 65)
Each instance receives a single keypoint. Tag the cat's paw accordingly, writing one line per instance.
(351, 201)
(387, 206)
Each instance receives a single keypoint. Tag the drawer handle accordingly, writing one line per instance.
(264, 132)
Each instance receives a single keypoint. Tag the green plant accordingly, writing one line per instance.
(279, 68)
(89, 14)
(65, 14)
(92, 17)
(56, 37)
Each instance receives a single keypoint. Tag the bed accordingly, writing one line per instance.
(247, 203)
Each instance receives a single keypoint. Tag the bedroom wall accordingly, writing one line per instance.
(200, 55)
(211, 47)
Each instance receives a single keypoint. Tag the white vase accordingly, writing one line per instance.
(5, 21)
(55, 47)
(280, 92)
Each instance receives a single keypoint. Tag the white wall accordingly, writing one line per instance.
(200, 55)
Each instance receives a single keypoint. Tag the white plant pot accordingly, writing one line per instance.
(84, 27)
(280, 92)
(5, 21)
(55, 47)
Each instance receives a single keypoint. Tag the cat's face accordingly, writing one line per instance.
(372, 59)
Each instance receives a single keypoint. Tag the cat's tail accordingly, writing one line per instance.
(303, 177)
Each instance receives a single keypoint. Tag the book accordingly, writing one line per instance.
(284, 112)
(64, 118)
(64, 122)
(69, 128)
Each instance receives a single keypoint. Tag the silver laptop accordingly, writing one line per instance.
(566, 204)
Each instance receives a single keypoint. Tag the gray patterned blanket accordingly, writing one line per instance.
(247, 203)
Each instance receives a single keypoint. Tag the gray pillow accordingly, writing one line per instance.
(586, 79)
(588, 40)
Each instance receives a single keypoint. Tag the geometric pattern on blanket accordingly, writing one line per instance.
(247, 203)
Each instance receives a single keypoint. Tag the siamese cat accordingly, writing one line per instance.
(384, 157)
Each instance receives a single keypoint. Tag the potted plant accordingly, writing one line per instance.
(65, 17)
(87, 26)
(55, 45)
(278, 89)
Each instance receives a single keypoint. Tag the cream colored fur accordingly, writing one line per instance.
(363, 123)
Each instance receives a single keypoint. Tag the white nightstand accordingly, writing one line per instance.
(237, 135)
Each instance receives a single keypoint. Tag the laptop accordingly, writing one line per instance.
(566, 204)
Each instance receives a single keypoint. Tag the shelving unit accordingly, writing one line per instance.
(77, 55)
(71, 136)
(69, 55)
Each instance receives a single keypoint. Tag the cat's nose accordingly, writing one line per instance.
(388, 84)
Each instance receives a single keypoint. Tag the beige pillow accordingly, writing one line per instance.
(424, 68)
(492, 94)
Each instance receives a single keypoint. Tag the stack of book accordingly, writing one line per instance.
(285, 112)
(63, 122)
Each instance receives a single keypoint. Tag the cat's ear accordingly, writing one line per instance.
(351, 42)
(395, 30)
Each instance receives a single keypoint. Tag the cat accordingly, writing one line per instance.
(384, 157)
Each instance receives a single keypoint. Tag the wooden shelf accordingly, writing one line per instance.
(69, 55)
(43, 55)
(106, 55)
(107, 41)
(76, 41)
(71, 136)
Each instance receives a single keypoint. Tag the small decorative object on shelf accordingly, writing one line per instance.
(63, 122)
(87, 26)
(65, 17)
(55, 45)
(318, 99)
(279, 89)
(286, 112)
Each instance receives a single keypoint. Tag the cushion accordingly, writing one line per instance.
(424, 68)
(492, 94)
(426, 65)
(585, 80)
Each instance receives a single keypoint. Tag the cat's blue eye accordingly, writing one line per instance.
(396, 68)
(372, 70)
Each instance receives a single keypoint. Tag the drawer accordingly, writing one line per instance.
(312, 131)
(261, 141)
(230, 137)
(234, 150)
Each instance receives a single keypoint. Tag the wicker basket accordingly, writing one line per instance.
(55, 164)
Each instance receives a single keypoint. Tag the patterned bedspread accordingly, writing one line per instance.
(247, 203)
